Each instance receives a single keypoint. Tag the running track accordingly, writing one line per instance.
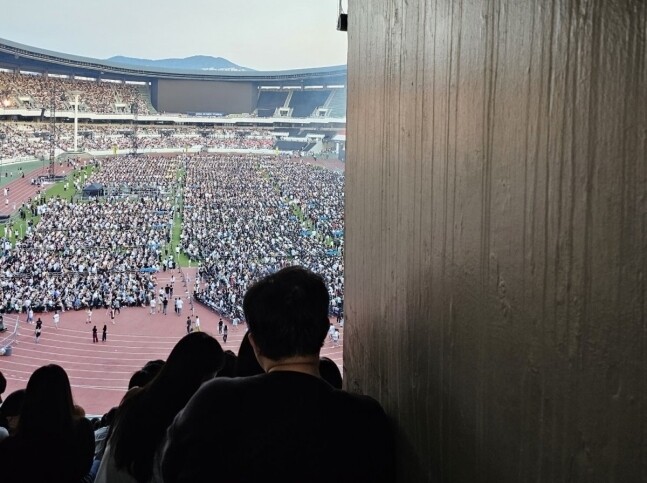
(99, 373)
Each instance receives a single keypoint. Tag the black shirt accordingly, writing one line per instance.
(283, 426)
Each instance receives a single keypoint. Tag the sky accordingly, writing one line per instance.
(259, 34)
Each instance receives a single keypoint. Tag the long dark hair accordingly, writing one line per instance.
(145, 413)
(48, 409)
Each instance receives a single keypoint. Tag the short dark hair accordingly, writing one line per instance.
(287, 313)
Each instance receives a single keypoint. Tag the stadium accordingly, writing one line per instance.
(80, 138)
(482, 251)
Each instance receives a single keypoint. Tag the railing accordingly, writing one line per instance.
(8, 338)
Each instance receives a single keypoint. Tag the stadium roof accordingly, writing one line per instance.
(15, 55)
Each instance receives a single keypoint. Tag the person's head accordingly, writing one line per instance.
(287, 313)
(246, 363)
(11, 409)
(48, 406)
(3, 385)
(229, 368)
(146, 412)
(330, 372)
(146, 374)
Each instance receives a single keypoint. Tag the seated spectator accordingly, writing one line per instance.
(51, 444)
(330, 372)
(277, 426)
(229, 368)
(246, 363)
(3, 385)
(145, 412)
(10, 410)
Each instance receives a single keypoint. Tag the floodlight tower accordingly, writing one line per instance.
(52, 133)
(134, 109)
(76, 95)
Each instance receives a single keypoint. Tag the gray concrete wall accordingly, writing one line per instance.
(496, 252)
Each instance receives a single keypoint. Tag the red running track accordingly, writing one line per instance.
(99, 373)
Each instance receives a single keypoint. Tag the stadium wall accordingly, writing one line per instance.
(496, 235)
(184, 96)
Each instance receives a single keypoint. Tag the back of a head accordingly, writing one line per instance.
(3, 385)
(330, 372)
(146, 374)
(229, 367)
(246, 363)
(196, 358)
(11, 408)
(48, 407)
(287, 313)
(145, 413)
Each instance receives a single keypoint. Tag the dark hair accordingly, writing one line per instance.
(287, 313)
(48, 407)
(229, 368)
(247, 364)
(330, 372)
(145, 374)
(3, 385)
(146, 412)
(11, 407)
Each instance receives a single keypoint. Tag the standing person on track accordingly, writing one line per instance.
(104, 335)
(164, 305)
(39, 327)
(224, 334)
(179, 304)
(30, 316)
(111, 313)
(56, 318)
(94, 335)
(197, 324)
(88, 316)
(188, 325)
(220, 326)
(153, 303)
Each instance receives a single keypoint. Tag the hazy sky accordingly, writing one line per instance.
(260, 34)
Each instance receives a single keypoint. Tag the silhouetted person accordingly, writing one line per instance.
(246, 363)
(330, 372)
(10, 410)
(145, 412)
(278, 424)
(52, 443)
(3, 385)
(229, 369)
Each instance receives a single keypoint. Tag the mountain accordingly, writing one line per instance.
(196, 62)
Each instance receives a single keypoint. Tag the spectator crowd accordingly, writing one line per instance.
(19, 140)
(36, 91)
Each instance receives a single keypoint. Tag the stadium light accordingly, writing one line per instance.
(342, 19)
(76, 95)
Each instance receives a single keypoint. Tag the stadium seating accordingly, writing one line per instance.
(269, 102)
(336, 105)
(37, 92)
(290, 145)
(303, 103)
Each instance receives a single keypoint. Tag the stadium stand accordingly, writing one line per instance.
(18, 140)
(290, 145)
(36, 91)
(269, 102)
(303, 103)
(336, 104)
